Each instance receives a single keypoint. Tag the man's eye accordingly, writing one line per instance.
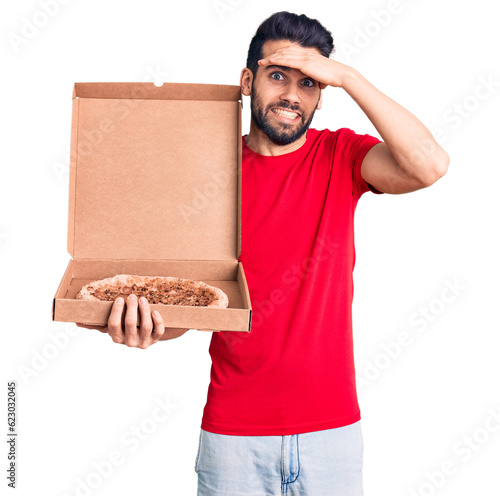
(277, 76)
(309, 83)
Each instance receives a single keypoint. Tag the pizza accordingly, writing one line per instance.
(156, 289)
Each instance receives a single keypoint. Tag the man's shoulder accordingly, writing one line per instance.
(328, 135)
(328, 132)
(342, 136)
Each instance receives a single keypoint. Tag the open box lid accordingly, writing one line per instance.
(155, 172)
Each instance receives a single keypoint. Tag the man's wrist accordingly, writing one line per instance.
(350, 78)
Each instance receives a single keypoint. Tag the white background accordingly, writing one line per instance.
(81, 400)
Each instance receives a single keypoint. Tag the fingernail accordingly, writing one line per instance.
(143, 301)
(156, 314)
(132, 297)
(119, 301)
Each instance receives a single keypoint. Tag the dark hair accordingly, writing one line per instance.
(287, 26)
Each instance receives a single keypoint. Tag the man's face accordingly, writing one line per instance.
(283, 100)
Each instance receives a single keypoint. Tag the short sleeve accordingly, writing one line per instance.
(356, 146)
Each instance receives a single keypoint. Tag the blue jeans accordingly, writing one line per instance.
(320, 463)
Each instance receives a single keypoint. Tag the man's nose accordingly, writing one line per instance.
(290, 94)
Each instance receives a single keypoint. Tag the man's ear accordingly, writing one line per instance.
(320, 101)
(246, 81)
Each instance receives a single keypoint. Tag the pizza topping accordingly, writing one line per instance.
(156, 290)
(163, 294)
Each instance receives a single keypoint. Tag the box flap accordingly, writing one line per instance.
(148, 91)
(154, 171)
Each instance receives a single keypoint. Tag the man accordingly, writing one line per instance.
(282, 415)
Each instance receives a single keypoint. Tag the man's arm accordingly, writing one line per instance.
(409, 158)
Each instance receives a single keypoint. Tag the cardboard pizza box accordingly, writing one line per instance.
(155, 189)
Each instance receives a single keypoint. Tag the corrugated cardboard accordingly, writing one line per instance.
(155, 189)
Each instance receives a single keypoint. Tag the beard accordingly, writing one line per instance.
(280, 133)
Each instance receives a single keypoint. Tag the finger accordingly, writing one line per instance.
(283, 61)
(159, 326)
(283, 54)
(265, 61)
(115, 329)
(288, 50)
(131, 333)
(146, 322)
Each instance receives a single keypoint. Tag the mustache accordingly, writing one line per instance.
(293, 108)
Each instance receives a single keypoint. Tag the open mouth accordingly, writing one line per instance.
(286, 115)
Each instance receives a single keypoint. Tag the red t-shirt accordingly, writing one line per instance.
(294, 372)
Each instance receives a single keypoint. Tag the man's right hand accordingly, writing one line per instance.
(151, 330)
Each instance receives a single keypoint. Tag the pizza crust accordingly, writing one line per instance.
(172, 290)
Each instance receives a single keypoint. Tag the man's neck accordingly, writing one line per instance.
(258, 141)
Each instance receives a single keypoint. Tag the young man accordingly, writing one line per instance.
(282, 415)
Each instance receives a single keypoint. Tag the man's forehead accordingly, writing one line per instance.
(271, 46)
